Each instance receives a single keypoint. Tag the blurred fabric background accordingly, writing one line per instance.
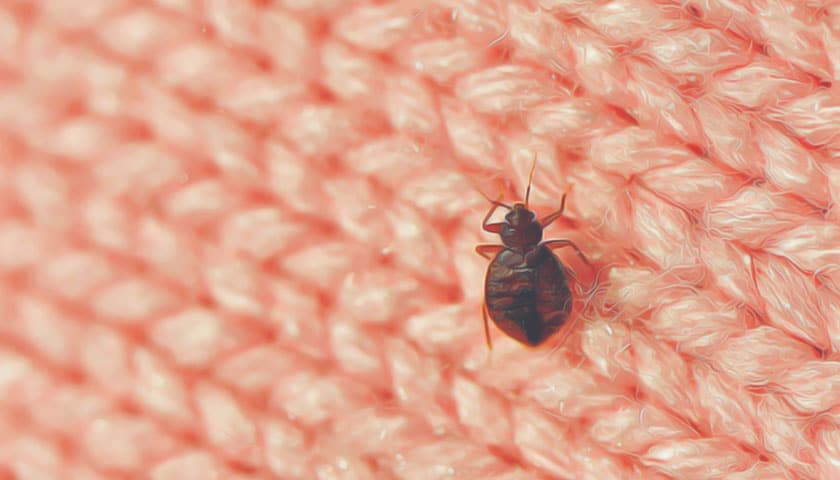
(236, 238)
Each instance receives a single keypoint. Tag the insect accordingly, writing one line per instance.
(526, 291)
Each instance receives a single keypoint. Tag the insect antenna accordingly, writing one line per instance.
(498, 202)
(530, 180)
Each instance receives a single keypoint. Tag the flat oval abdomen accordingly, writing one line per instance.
(527, 294)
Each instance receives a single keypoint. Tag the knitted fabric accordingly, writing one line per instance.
(237, 238)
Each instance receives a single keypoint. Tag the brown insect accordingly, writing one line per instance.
(526, 291)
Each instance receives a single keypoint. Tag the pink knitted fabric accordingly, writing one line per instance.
(236, 238)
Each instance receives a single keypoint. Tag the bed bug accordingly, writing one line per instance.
(526, 288)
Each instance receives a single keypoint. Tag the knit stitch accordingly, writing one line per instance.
(236, 238)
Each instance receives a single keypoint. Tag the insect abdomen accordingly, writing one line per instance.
(527, 300)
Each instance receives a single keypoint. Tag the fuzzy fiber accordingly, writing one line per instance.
(236, 238)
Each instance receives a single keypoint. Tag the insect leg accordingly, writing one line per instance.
(546, 221)
(486, 328)
(488, 251)
(567, 243)
(493, 227)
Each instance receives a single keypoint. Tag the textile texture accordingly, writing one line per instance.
(237, 238)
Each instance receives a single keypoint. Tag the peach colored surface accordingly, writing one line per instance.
(236, 238)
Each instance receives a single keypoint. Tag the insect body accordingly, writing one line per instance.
(526, 292)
